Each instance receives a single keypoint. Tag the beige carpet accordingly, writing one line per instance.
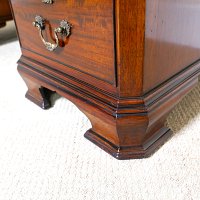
(44, 156)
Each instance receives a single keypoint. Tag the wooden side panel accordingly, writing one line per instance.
(172, 39)
(130, 22)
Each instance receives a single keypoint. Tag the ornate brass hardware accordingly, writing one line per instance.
(64, 29)
(47, 1)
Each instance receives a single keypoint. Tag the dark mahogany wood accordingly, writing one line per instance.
(5, 12)
(171, 39)
(126, 65)
(37, 93)
(90, 49)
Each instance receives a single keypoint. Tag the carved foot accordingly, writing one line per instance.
(40, 96)
(36, 92)
(136, 152)
(126, 137)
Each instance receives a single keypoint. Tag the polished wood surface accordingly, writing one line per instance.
(89, 49)
(172, 39)
(126, 65)
(130, 23)
(5, 12)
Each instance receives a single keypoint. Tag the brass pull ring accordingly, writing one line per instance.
(64, 29)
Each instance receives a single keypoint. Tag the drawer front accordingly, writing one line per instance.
(90, 47)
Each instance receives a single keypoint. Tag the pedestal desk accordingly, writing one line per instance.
(124, 63)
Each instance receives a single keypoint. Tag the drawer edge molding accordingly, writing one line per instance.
(119, 106)
(35, 55)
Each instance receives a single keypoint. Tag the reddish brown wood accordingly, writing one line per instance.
(90, 49)
(119, 65)
(5, 12)
(172, 39)
(130, 23)
(37, 93)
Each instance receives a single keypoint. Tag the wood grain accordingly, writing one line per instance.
(172, 39)
(125, 66)
(130, 27)
(89, 49)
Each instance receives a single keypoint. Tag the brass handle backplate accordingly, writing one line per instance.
(64, 29)
(47, 1)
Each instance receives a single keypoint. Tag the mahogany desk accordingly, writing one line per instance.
(124, 63)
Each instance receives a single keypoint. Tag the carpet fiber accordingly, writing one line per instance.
(44, 156)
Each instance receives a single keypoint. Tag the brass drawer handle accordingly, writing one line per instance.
(47, 1)
(64, 29)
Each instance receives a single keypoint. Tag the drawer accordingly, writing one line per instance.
(90, 47)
